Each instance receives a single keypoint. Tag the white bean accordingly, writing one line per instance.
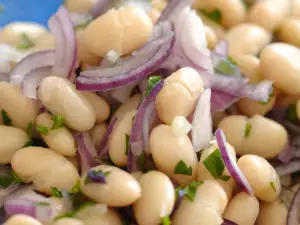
(97, 133)
(21, 219)
(131, 104)
(68, 221)
(274, 213)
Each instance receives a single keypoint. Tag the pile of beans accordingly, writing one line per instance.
(263, 42)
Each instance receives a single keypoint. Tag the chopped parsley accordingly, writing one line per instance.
(66, 215)
(248, 127)
(42, 204)
(26, 42)
(95, 173)
(273, 186)
(225, 67)
(165, 220)
(59, 122)
(225, 177)
(42, 129)
(35, 142)
(142, 160)
(152, 82)
(214, 164)
(190, 190)
(6, 119)
(30, 129)
(182, 168)
(56, 193)
(76, 188)
(7, 180)
(127, 143)
(233, 62)
(292, 113)
(16, 178)
(214, 15)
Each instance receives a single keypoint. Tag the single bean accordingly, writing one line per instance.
(157, 200)
(100, 106)
(178, 95)
(261, 176)
(20, 109)
(74, 161)
(154, 15)
(45, 168)
(131, 104)
(137, 175)
(68, 221)
(61, 98)
(117, 140)
(289, 31)
(295, 9)
(21, 219)
(127, 29)
(121, 189)
(60, 140)
(168, 150)
(254, 39)
(80, 6)
(243, 209)
(12, 139)
(97, 133)
(211, 37)
(274, 213)
(45, 42)
(159, 4)
(284, 100)
(217, 28)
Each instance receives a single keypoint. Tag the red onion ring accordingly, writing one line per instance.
(202, 122)
(228, 222)
(287, 154)
(231, 165)
(288, 168)
(222, 48)
(96, 178)
(294, 210)
(221, 101)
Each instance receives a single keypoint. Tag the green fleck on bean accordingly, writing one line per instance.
(214, 164)
(182, 168)
(247, 129)
(6, 119)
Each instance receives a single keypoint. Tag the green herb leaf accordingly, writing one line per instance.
(225, 177)
(42, 204)
(16, 178)
(7, 180)
(213, 15)
(273, 186)
(26, 42)
(233, 62)
(127, 143)
(6, 119)
(214, 164)
(28, 143)
(166, 220)
(30, 129)
(152, 82)
(292, 113)
(35, 142)
(56, 193)
(86, 204)
(190, 190)
(76, 188)
(66, 215)
(42, 129)
(247, 129)
(182, 168)
(225, 67)
(59, 122)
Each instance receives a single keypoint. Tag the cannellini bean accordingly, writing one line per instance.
(61, 97)
(137, 174)
(117, 139)
(100, 106)
(97, 133)
(154, 15)
(126, 29)
(159, 4)
(20, 109)
(121, 189)
(60, 140)
(68, 221)
(204, 174)
(274, 213)
(261, 176)
(157, 200)
(131, 104)
(74, 161)
(295, 9)
(168, 150)
(243, 209)
(12, 139)
(45, 42)
(45, 168)
(80, 6)
(206, 209)
(289, 31)
(178, 95)
(12, 32)
(217, 28)
(279, 62)
(254, 39)
(232, 11)
(284, 101)
(211, 37)
(83, 53)
(21, 219)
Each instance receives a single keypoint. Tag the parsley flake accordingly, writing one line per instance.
(190, 190)
(152, 82)
(292, 113)
(225, 177)
(9, 179)
(42, 204)
(225, 67)
(42, 129)
(273, 186)
(182, 168)
(6, 119)
(59, 122)
(56, 193)
(214, 164)
(30, 129)
(165, 220)
(26, 42)
(248, 127)
(126, 143)
(214, 15)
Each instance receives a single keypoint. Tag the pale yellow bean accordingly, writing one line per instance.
(131, 104)
(100, 106)
(21, 219)
(274, 213)
(217, 28)
(20, 109)
(74, 161)
(60, 97)
(243, 209)
(60, 140)
(126, 30)
(154, 15)
(261, 176)
(137, 175)
(217, 117)
(121, 189)
(12, 139)
(254, 39)
(45, 42)
(80, 6)
(284, 100)
(159, 4)
(45, 168)
(168, 150)
(117, 139)
(211, 37)
(68, 221)
(295, 9)
(289, 31)
(157, 200)
(280, 63)
(178, 95)
(97, 133)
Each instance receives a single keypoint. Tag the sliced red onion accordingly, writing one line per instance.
(287, 154)
(222, 49)
(132, 68)
(231, 165)
(4, 77)
(228, 222)
(96, 177)
(179, 199)
(10, 53)
(288, 168)
(103, 149)
(221, 101)
(122, 94)
(294, 210)
(202, 122)
(110, 58)
(60, 24)
(86, 150)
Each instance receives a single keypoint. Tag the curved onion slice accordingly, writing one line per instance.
(4, 77)
(132, 68)
(228, 222)
(231, 165)
(202, 122)
(60, 24)
(287, 154)
(122, 94)
(222, 48)
(221, 101)
(294, 210)
(96, 177)
(103, 149)
(288, 168)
